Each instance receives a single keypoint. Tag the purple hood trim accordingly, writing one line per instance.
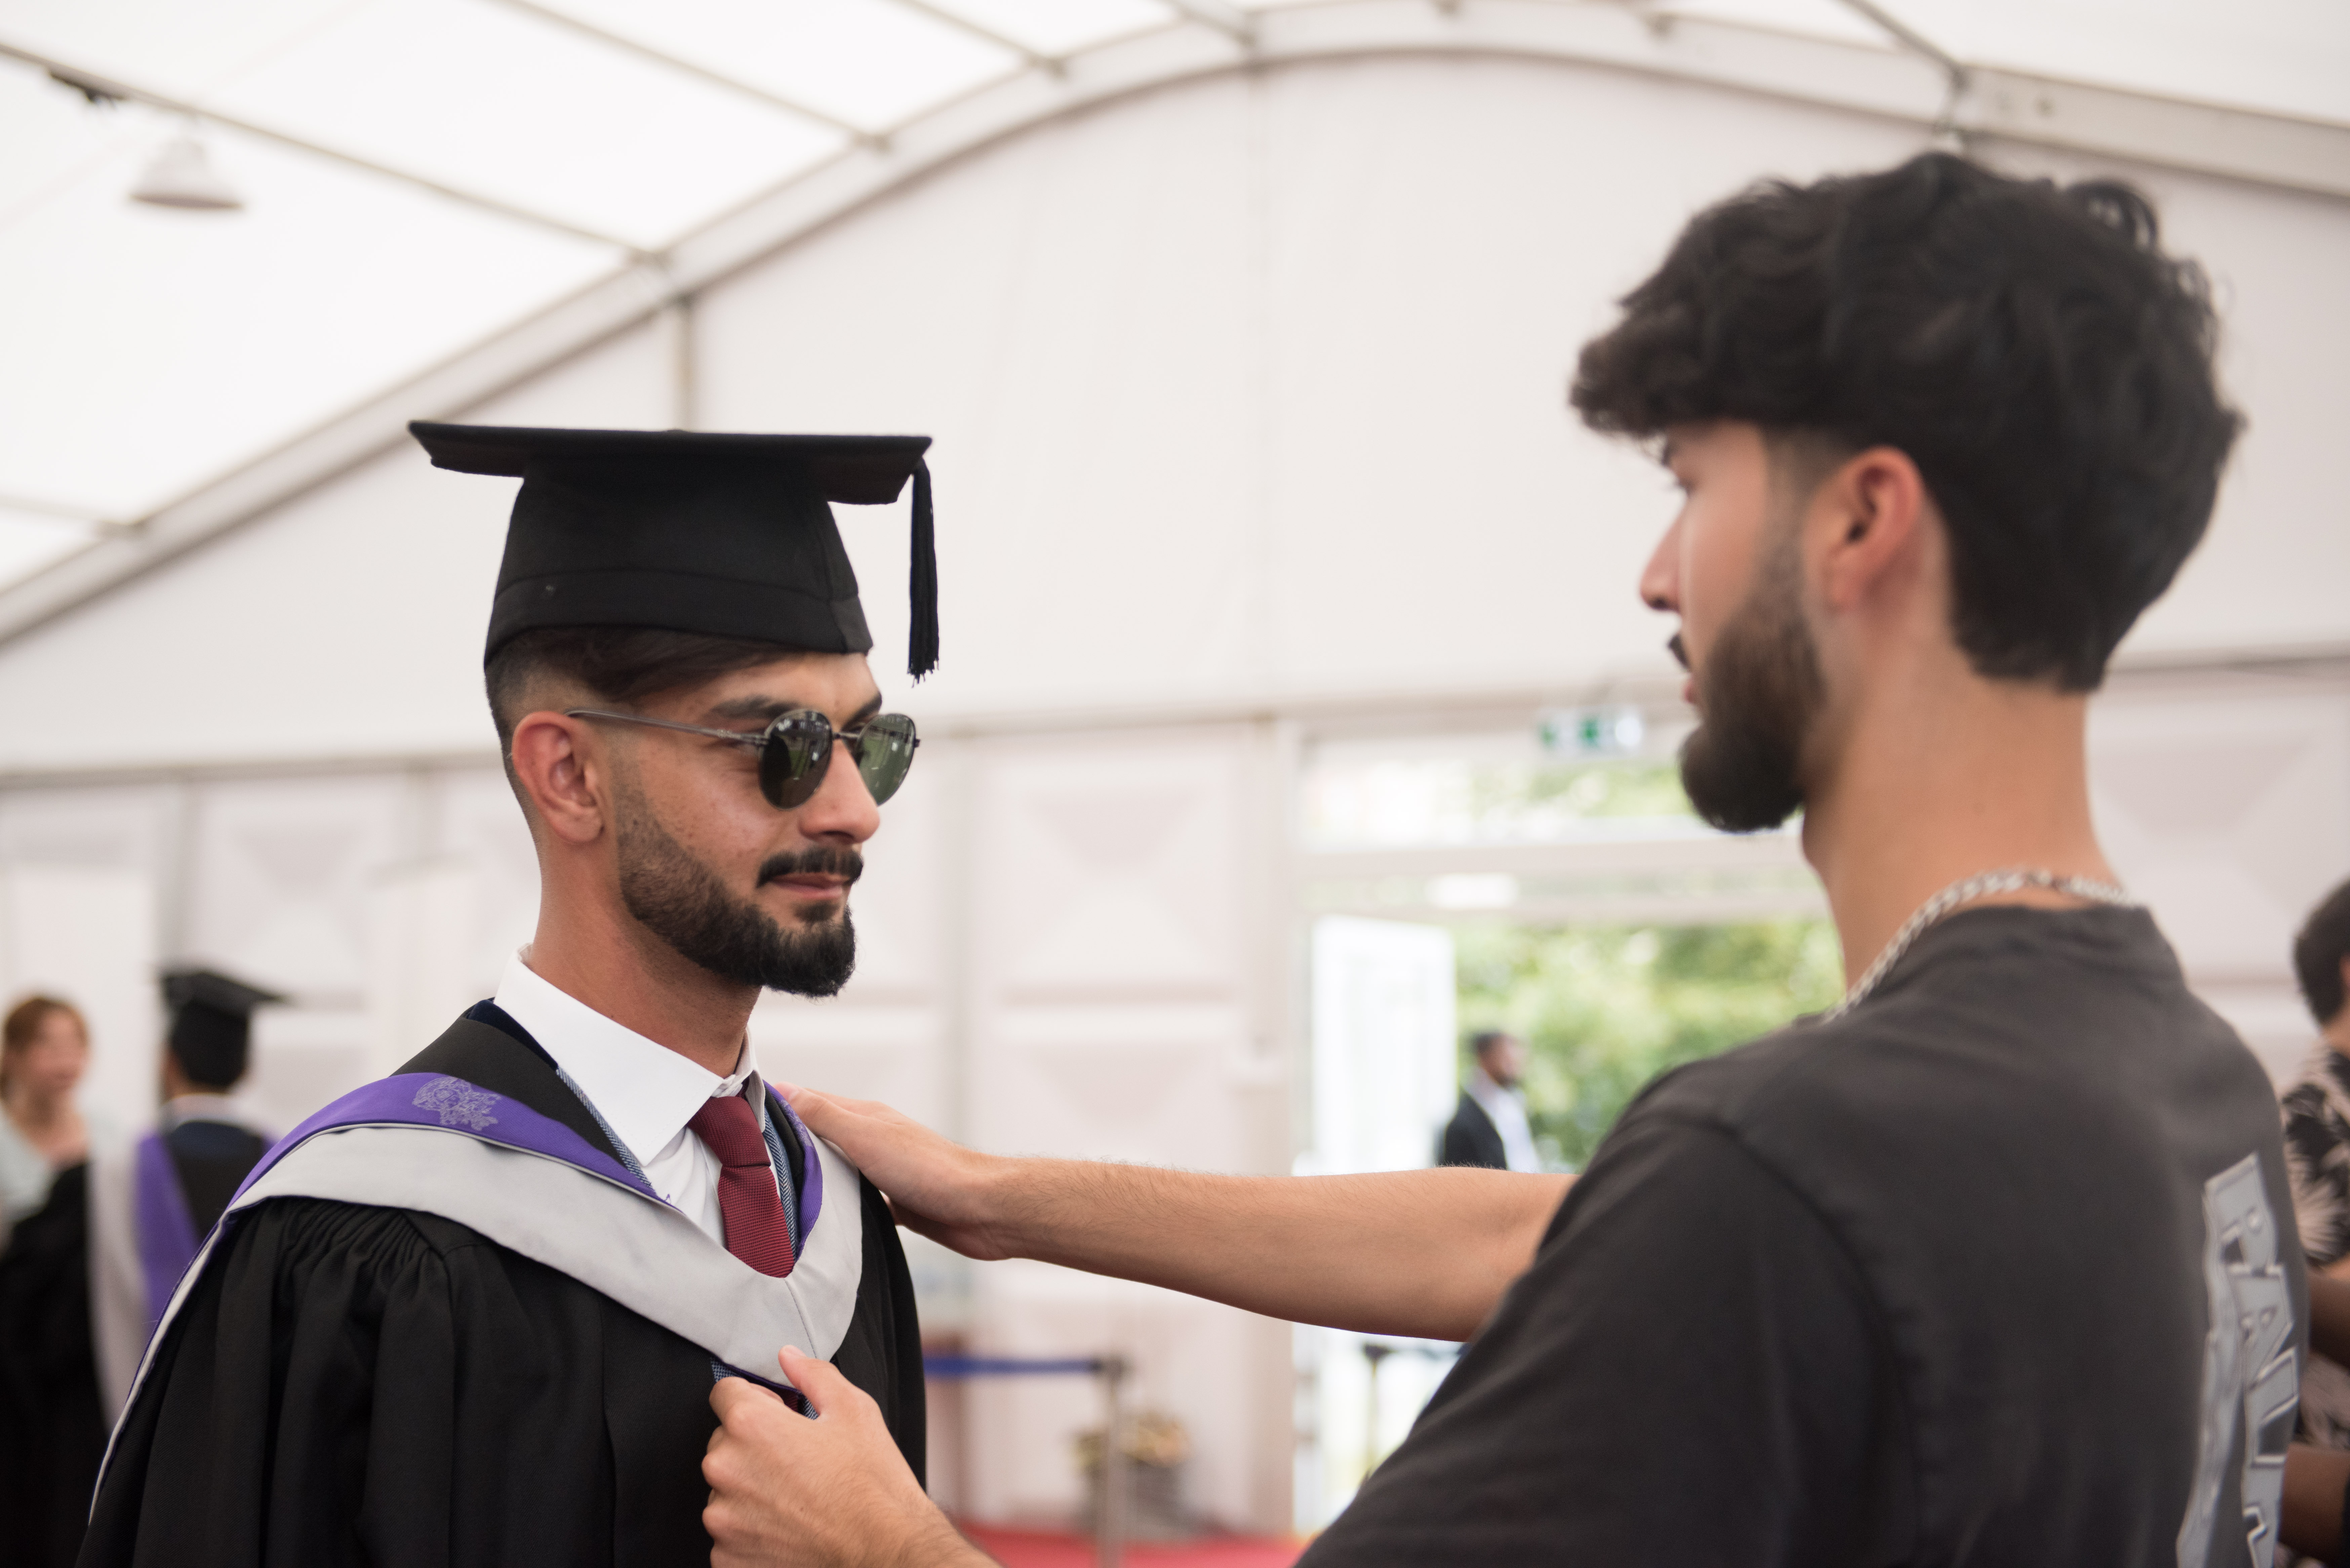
(438, 1100)
(160, 1221)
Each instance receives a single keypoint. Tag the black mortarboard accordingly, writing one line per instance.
(211, 1023)
(730, 535)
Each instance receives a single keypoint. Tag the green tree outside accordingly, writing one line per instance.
(1604, 1008)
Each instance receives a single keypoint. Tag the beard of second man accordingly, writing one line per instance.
(1742, 766)
(688, 906)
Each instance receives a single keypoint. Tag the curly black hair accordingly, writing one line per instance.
(2318, 953)
(2030, 346)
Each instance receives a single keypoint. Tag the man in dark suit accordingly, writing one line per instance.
(1489, 1128)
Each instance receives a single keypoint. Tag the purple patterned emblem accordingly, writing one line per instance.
(457, 1102)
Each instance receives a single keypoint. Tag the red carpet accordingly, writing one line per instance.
(1043, 1549)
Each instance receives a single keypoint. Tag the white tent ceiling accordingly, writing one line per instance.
(420, 177)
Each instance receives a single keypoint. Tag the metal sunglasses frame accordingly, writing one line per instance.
(761, 740)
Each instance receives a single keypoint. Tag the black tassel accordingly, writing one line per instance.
(922, 582)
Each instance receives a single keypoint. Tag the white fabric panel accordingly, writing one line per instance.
(85, 934)
(1110, 1014)
(347, 622)
(2225, 805)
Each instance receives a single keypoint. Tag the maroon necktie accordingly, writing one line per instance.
(755, 1231)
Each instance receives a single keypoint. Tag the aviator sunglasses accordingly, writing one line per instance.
(795, 749)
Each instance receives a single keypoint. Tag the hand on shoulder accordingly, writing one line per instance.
(936, 1187)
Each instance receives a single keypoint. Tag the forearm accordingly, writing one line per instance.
(2315, 1480)
(1425, 1253)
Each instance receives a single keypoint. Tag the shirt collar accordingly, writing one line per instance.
(1485, 1092)
(645, 1092)
(200, 1107)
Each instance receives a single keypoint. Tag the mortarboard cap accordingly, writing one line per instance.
(729, 536)
(211, 1023)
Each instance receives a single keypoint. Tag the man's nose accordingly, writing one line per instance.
(1660, 579)
(842, 810)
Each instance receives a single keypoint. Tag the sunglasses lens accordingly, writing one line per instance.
(792, 762)
(884, 752)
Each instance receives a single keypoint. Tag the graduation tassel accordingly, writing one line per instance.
(922, 582)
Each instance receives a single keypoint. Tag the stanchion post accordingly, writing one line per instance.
(1111, 1522)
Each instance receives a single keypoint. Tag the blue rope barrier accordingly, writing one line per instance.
(951, 1366)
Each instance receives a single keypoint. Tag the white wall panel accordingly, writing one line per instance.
(1112, 1013)
(884, 1036)
(86, 934)
(2225, 804)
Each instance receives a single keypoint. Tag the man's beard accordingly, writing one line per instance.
(1742, 766)
(685, 903)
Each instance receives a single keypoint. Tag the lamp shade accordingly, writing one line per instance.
(182, 176)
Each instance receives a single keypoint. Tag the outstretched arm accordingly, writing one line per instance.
(1426, 1253)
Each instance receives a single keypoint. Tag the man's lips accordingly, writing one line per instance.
(811, 887)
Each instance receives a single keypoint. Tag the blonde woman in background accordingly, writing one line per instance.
(44, 1046)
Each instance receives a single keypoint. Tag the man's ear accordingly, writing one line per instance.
(558, 766)
(1865, 523)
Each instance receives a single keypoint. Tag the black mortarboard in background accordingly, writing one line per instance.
(211, 1023)
(730, 535)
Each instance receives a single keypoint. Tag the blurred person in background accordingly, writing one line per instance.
(52, 1422)
(152, 1201)
(2316, 1107)
(44, 1046)
(87, 1281)
(1489, 1128)
(1981, 1267)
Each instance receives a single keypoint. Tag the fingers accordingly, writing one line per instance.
(820, 1110)
(820, 1383)
(731, 1394)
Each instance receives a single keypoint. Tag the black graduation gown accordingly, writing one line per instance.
(52, 1415)
(354, 1384)
(52, 1409)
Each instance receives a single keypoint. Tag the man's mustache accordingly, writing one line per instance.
(823, 861)
(1678, 649)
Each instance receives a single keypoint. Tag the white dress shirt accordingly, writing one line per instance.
(1508, 1113)
(645, 1092)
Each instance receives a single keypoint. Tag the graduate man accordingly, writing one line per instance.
(1992, 1263)
(470, 1316)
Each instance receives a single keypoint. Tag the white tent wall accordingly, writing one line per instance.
(1249, 401)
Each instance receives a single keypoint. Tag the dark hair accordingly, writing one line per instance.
(1485, 1040)
(2318, 953)
(2043, 362)
(619, 665)
(24, 1025)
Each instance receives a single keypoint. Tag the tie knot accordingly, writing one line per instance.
(729, 1127)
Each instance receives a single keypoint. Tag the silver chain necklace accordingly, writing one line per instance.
(1981, 885)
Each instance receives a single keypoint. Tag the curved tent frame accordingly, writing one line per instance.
(1913, 83)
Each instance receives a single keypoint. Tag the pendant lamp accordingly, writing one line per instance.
(182, 176)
